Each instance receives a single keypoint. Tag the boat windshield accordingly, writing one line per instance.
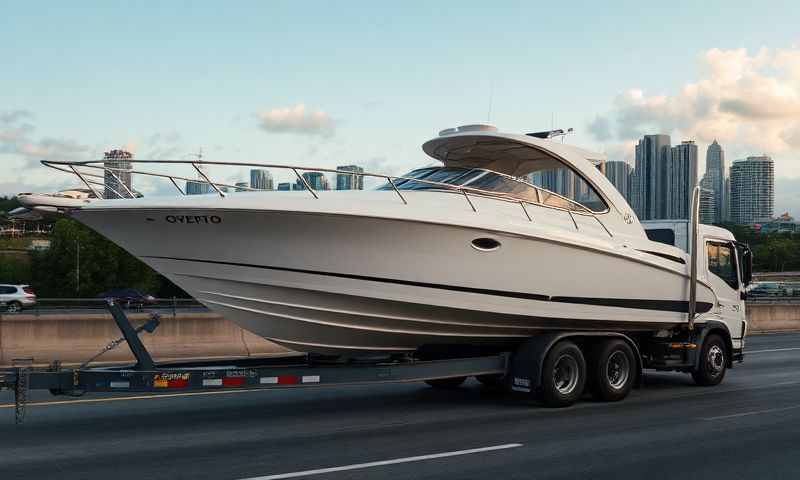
(484, 180)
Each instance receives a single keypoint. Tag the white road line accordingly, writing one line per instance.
(757, 412)
(394, 461)
(772, 350)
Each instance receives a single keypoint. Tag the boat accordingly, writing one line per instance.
(473, 251)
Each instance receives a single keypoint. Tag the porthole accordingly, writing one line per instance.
(485, 244)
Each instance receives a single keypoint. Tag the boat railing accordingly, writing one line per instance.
(89, 178)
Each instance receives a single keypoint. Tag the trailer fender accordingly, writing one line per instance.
(528, 360)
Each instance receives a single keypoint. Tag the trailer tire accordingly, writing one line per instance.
(563, 375)
(446, 383)
(713, 362)
(612, 370)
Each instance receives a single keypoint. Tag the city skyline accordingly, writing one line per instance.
(386, 90)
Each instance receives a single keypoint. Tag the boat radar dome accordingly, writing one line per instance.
(478, 127)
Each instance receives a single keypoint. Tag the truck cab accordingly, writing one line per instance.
(722, 262)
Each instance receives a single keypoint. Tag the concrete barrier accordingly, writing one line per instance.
(73, 338)
(773, 317)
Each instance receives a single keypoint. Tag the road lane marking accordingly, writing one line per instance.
(756, 412)
(772, 350)
(357, 466)
(134, 397)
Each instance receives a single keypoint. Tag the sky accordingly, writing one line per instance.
(334, 83)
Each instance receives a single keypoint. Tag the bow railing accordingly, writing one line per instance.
(84, 170)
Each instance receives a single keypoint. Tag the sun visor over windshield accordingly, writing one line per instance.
(494, 153)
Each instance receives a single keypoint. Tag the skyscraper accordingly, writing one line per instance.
(261, 179)
(681, 178)
(317, 181)
(620, 175)
(707, 202)
(117, 182)
(652, 155)
(349, 182)
(752, 190)
(716, 175)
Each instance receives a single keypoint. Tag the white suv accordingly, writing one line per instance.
(17, 297)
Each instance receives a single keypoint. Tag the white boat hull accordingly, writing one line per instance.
(336, 282)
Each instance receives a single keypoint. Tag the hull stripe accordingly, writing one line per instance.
(640, 304)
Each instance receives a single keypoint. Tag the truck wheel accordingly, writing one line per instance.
(612, 370)
(563, 375)
(454, 382)
(14, 307)
(713, 363)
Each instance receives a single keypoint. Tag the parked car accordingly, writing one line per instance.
(767, 289)
(129, 297)
(17, 297)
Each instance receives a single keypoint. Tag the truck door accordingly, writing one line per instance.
(723, 274)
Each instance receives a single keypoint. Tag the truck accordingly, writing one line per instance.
(545, 367)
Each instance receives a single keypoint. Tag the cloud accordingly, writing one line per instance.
(600, 128)
(296, 119)
(17, 138)
(749, 102)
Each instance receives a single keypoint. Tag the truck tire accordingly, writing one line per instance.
(713, 362)
(446, 383)
(612, 370)
(563, 375)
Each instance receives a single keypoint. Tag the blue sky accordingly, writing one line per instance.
(375, 80)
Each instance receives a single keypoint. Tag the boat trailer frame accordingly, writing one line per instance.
(290, 371)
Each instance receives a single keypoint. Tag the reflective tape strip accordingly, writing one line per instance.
(212, 382)
(311, 379)
(120, 384)
(233, 381)
(268, 380)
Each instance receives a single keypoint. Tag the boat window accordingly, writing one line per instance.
(450, 175)
(567, 183)
(494, 182)
(721, 263)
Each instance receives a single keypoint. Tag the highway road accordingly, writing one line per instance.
(748, 427)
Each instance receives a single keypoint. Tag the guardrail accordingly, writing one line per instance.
(55, 305)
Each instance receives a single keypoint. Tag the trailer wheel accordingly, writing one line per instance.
(713, 364)
(563, 375)
(612, 370)
(446, 383)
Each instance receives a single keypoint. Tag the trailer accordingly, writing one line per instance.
(536, 369)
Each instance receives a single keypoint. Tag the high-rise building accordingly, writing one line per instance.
(681, 173)
(117, 182)
(752, 190)
(652, 157)
(285, 186)
(316, 180)
(261, 179)
(351, 181)
(716, 175)
(620, 175)
(707, 202)
(197, 188)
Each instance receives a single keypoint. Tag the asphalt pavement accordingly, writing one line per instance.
(748, 427)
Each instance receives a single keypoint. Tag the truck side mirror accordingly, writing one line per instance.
(747, 266)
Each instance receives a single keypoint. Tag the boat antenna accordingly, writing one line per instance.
(491, 97)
